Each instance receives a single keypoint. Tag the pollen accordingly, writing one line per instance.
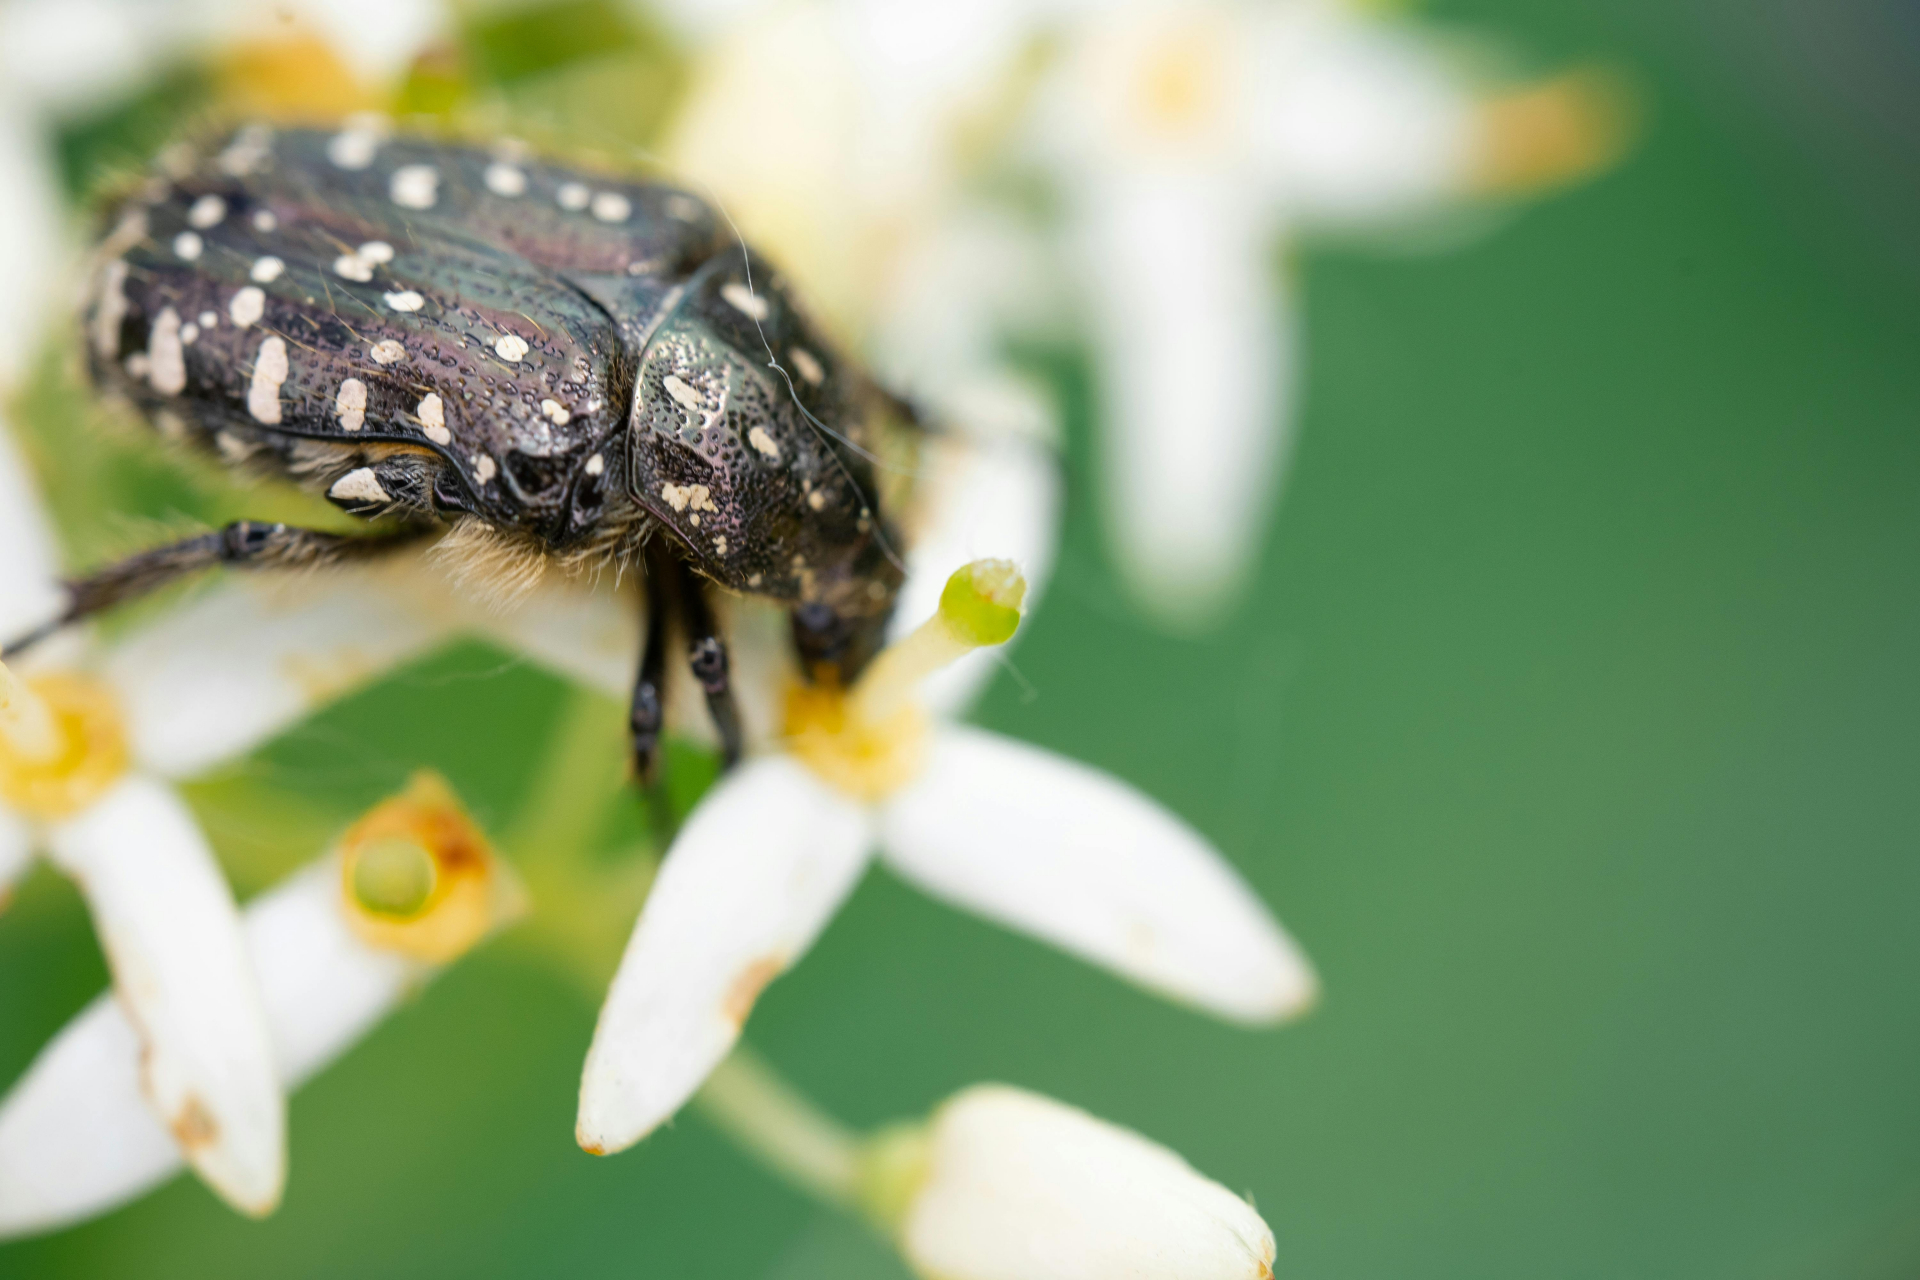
(573, 196)
(554, 413)
(510, 347)
(351, 266)
(62, 743)
(355, 146)
(857, 756)
(763, 443)
(266, 270)
(187, 246)
(387, 352)
(484, 469)
(611, 206)
(405, 300)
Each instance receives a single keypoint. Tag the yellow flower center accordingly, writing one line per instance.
(852, 754)
(869, 741)
(62, 743)
(418, 876)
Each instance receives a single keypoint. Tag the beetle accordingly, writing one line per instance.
(530, 358)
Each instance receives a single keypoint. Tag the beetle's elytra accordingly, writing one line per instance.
(592, 367)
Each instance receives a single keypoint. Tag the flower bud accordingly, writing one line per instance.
(1004, 1184)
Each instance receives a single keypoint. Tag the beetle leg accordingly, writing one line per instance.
(249, 544)
(648, 713)
(707, 655)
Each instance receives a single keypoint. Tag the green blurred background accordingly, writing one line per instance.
(1570, 727)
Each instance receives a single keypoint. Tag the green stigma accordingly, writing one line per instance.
(981, 601)
(393, 877)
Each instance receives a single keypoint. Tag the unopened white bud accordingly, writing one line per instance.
(1015, 1186)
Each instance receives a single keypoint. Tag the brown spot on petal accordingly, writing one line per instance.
(748, 985)
(193, 1125)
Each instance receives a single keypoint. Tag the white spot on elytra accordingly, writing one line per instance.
(808, 367)
(351, 404)
(359, 486)
(681, 497)
(209, 320)
(351, 266)
(720, 545)
(187, 246)
(611, 206)
(269, 371)
(683, 395)
(139, 364)
(433, 416)
(415, 186)
(406, 300)
(206, 212)
(760, 440)
(483, 469)
(378, 252)
(266, 270)
(247, 306)
(596, 464)
(505, 180)
(745, 300)
(263, 220)
(510, 346)
(685, 208)
(355, 146)
(573, 196)
(112, 309)
(387, 352)
(816, 499)
(188, 332)
(555, 413)
(248, 151)
(166, 360)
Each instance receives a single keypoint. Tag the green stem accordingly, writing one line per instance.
(773, 1122)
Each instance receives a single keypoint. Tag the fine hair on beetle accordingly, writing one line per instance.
(531, 362)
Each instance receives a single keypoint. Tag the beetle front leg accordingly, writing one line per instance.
(245, 544)
(648, 714)
(707, 656)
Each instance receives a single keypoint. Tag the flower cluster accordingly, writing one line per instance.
(942, 184)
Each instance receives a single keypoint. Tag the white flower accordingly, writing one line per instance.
(1007, 1185)
(90, 737)
(77, 1135)
(859, 142)
(1009, 831)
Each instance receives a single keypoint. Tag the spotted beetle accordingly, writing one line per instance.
(531, 359)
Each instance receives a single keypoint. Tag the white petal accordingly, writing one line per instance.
(16, 853)
(322, 986)
(997, 498)
(231, 668)
(753, 877)
(1082, 860)
(1020, 1187)
(1356, 118)
(30, 591)
(77, 1136)
(1193, 359)
(172, 936)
